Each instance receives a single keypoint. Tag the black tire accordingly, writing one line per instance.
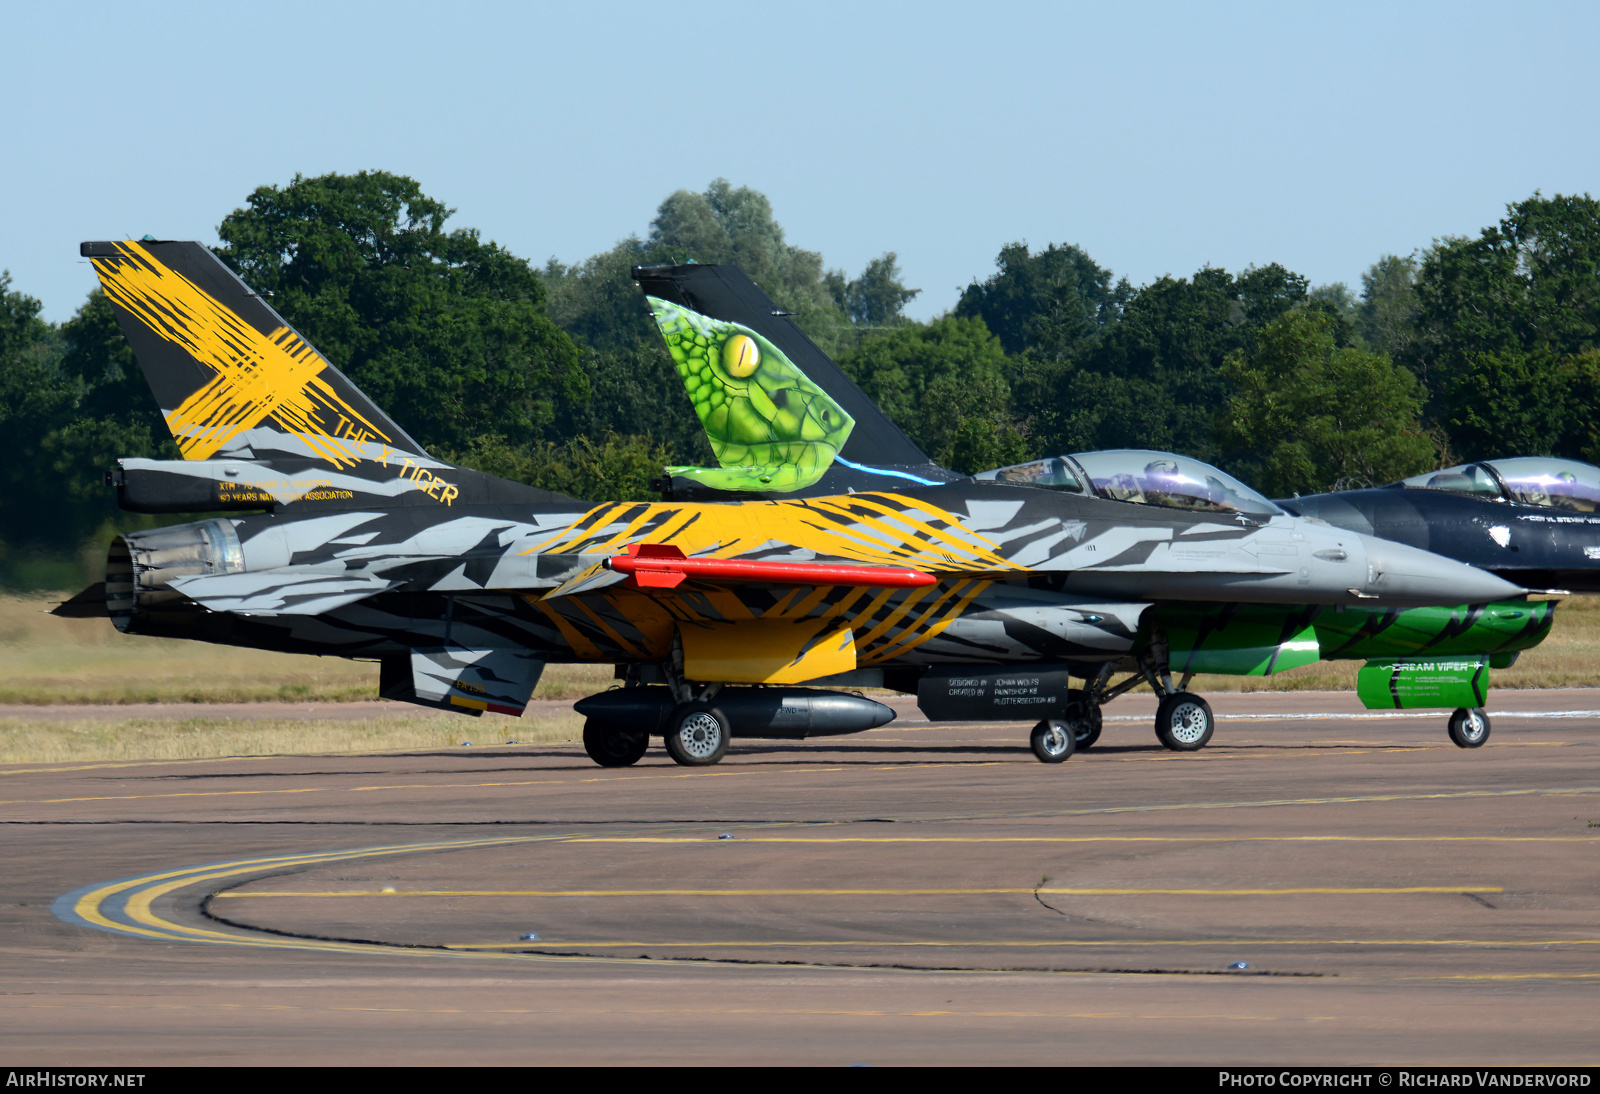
(697, 735)
(1084, 718)
(611, 745)
(1184, 722)
(1052, 741)
(1469, 728)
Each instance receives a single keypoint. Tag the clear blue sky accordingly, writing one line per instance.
(1159, 137)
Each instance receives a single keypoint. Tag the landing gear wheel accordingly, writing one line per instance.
(1184, 722)
(697, 735)
(1084, 718)
(1469, 728)
(611, 745)
(1052, 741)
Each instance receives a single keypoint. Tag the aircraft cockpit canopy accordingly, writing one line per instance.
(1051, 474)
(1531, 480)
(1140, 477)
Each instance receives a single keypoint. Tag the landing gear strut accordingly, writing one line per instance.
(1083, 716)
(1184, 722)
(1469, 728)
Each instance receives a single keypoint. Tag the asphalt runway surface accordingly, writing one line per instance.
(919, 894)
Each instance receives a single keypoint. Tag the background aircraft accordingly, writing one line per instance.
(353, 541)
(1529, 519)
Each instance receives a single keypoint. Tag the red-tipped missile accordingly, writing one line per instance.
(663, 566)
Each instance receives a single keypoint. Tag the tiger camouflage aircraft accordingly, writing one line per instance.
(825, 550)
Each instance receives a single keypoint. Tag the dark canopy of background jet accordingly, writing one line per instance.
(1494, 515)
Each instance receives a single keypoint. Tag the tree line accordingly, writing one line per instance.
(1475, 347)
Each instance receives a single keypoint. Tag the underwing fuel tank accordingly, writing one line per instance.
(787, 713)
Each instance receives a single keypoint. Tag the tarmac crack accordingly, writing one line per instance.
(902, 966)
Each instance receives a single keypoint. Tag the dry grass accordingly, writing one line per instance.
(111, 738)
(46, 660)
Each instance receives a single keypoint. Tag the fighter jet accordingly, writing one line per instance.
(1530, 519)
(844, 558)
(1403, 648)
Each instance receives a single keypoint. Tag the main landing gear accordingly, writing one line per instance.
(612, 745)
(1184, 722)
(697, 734)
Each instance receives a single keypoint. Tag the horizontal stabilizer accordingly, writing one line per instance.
(89, 604)
(467, 681)
(276, 592)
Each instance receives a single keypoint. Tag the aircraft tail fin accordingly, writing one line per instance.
(232, 378)
(781, 416)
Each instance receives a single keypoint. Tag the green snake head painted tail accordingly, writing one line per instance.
(770, 427)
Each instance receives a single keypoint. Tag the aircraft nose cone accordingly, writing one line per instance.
(1400, 574)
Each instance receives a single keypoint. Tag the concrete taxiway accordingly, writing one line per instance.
(1320, 885)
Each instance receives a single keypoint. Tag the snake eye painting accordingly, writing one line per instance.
(770, 427)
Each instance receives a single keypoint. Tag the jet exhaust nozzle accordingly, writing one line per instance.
(140, 567)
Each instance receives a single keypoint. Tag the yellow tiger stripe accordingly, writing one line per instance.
(912, 630)
(573, 637)
(937, 628)
(276, 375)
(899, 613)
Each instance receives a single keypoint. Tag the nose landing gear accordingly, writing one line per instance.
(1053, 741)
(1469, 728)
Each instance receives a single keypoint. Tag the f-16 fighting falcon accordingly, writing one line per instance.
(1534, 520)
(843, 559)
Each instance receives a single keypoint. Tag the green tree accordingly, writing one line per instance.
(444, 331)
(945, 384)
(877, 297)
(612, 468)
(636, 391)
(1386, 317)
(1152, 379)
(1308, 415)
(596, 300)
(35, 400)
(1504, 322)
(1050, 302)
